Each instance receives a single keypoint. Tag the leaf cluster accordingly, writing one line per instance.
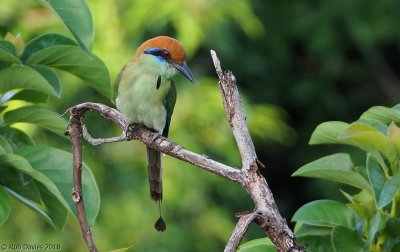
(370, 219)
(40, 176)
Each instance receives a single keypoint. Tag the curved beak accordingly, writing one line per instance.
(184, 69)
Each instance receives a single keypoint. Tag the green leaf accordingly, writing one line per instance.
(316, 242)
(345, 239)
(31, 205)
(45, 41)
(20, 184)
(336, 167)
(57, 165)
(51, 76)
(18, 163)
(123, 249)
(327, 133)
(389, 190)
(56, 211)
(38, 115)
(5, 145)
(374, 225)
(257, 245)
(2, 107)
(396, 108)
(363, 204)
(381, 114)
(2, 150)
(327, 213)
(18, 76)
(314, 238)
(5, 206)
(376, 178)
(7, 52)
(73, 60)
(76, 15)
(392, 227)
(30, 96)
(16, 138)
(370, 139)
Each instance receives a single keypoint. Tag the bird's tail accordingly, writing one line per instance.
(155, 174)
(155, 181)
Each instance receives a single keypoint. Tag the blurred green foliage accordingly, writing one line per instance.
(318, 60)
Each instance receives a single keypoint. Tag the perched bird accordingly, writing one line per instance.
(147, 96)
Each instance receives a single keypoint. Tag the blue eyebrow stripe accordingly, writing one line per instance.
(154, 52)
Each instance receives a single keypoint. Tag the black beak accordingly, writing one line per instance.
(184, 69)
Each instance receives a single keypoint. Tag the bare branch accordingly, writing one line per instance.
(154, 140)
(239, 231)
(75, 132)
(234, 112)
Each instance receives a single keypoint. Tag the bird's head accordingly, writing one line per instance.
(169, 53)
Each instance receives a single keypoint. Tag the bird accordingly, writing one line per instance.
(146, 95)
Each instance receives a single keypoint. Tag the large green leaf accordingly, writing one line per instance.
(38, 115)
(346, 239)
(7, 52)
(73, 60)
(336, 167)
(18, 76)
(30, 96)
(370, 139)
(57, 165)
(257, 245)
(18, 183)
(45, 41)
(24, 188)
(389, 190)
(5, 206)
(18, 163)
(31, 205)
(38, 97)
(16, 137)
(327, 213)
(376, 178)
(381, 114)
(56, 211)
(76, 15)
(51, 76)
(315, 238)
(327, 132)
(5, 145)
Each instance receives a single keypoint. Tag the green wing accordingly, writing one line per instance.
(169, 104)
(117, 81)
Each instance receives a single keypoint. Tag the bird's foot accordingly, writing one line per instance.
(129, 129)
(155, 136)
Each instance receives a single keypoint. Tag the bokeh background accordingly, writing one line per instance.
(297, 64)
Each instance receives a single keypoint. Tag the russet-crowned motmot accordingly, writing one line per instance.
(147, 95)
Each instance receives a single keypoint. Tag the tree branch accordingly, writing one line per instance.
(239, 231)
(265, 214)
(75, 131)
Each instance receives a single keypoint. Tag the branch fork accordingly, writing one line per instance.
(265, 214)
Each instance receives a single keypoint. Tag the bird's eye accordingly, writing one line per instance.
(165, 53)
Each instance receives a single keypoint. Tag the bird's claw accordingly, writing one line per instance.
(129, 130)
(155, 136)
